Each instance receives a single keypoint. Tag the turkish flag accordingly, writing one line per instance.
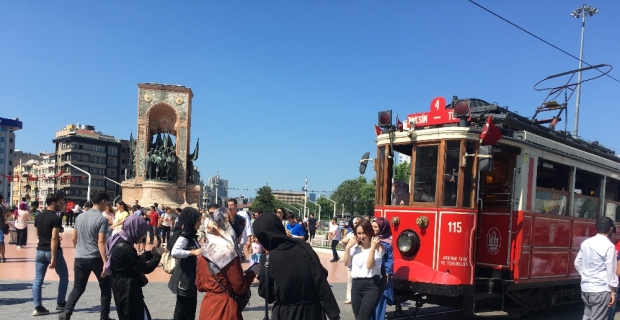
(378, 130)
(490, 133)
(399, 125)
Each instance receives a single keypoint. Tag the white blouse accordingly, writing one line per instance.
(359, 256)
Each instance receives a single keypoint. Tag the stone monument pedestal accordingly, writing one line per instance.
(164, 193)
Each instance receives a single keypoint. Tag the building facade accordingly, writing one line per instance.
(289, 197)
(7, 145)
(92, 151)
(33, 179)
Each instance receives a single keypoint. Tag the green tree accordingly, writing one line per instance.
(265, 200)
(403, 171)
(357, 195)
(327, 208)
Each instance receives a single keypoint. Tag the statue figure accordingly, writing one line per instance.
(132, 160)
(159, 165)
(171, 165)
(149, 163)
(190, 163)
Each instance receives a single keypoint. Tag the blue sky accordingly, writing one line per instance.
(290, 89)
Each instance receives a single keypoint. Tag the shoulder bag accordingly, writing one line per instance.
(168, 262)
(242, 301)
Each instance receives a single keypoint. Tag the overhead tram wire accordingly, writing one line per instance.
(537, 37)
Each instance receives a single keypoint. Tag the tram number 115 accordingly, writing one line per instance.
(454, 227)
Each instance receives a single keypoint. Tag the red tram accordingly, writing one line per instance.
(491, 227)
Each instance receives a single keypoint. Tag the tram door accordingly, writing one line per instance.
(495, 202)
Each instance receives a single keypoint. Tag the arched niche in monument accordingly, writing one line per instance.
(161, 152)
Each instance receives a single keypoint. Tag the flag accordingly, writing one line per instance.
(490, 133)
(399, 124)
(378, 130)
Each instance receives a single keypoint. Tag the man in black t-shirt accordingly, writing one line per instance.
(311, 226)
(49, 253)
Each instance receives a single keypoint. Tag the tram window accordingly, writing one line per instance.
(425, 182)
(468, 182)
(612, 199)
(587, 194)
(552, 185)
(451, 170)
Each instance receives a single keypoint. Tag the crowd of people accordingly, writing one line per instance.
(208, 247)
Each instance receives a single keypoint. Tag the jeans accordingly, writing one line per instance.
(82, 269)
(70, 218)
(42, 261)
(334, 252)
(365, 294)
(166, 233)
(154, 232)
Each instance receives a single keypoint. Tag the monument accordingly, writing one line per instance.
(163, 167)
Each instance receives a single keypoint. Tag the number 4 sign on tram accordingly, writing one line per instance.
(438, 114)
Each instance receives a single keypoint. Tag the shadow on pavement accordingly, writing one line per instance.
(15, 286)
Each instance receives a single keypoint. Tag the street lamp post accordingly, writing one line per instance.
(581, 12)
(319, 209)
(305, 197)
(322, 195)
(88, 190)
(298, 211)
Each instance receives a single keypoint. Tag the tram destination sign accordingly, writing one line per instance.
(437, 115)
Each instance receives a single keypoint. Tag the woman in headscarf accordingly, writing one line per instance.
(21, 224)
(381, 227)
(184, 246)
(219, 272)
(297, 281)
(401, 193)
(127, 269)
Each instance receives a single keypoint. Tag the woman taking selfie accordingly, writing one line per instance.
(127, 269)
(219, 272)
(364, 254)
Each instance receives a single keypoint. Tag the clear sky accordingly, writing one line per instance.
(291, 89)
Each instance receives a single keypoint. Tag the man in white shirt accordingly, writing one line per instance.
(596, 263)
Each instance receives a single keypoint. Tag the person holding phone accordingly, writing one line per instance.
(365, 255)
(354, 222)
(219, 272)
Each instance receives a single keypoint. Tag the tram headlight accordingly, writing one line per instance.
(408, 243)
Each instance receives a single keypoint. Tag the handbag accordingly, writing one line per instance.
(168, 262)
(242, 300)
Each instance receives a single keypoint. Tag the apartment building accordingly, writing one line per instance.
(94, 152)
(7, 145)
(289, 197)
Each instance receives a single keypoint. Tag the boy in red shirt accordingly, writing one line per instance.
(154, 218)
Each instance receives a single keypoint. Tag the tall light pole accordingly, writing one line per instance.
(322, 195)
(581, 12)
(305, 197)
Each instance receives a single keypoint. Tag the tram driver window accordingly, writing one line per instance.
(425, 182)
(450, 184)
(552, 185)
(587, 194)
(612, 199)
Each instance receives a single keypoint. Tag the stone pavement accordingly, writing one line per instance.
(16, 301)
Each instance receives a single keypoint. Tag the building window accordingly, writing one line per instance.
(2, 128)
(112, 161)
(1, 139)
(11, 140)
(112, 151)
(111, 173)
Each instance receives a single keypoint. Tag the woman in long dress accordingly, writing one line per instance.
(127, 269)
(297, 282)
(219, 272)
(184, 246)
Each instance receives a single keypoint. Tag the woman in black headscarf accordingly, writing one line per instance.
(297, 280)
(184, 246)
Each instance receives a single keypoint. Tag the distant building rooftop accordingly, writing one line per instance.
(14, 123)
